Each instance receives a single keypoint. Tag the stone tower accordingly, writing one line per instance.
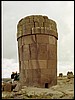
(37, 48)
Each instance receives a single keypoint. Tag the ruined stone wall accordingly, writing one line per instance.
(37, 48)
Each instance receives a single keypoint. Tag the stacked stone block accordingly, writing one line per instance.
(37, 47)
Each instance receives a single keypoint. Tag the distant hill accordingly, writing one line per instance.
(6, 79)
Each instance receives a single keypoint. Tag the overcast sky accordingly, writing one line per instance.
(60, 11)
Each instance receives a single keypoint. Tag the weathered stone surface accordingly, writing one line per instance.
(43, 64)
(37, 30)
(42, 39)
(21, 53)
(51, 64)
(35, 64)
(41, 24)
(17, 88)
(52, 51)
(42, 51)
(20, 42)
(37, 44)
(7, 87)
(27, 31)
(43, 30)
(26, 20)
(25, 26)
(26, 52)
(36, 24)
(3, 84)
(52, 40)
(28, 39)
(46, 24)
(26, 65)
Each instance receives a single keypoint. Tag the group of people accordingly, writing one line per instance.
(14, 76)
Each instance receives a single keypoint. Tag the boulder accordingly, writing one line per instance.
(7, 87)
(14, 84)
(3, 84)
(17, 88)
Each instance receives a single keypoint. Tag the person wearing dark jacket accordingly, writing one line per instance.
(12, 77)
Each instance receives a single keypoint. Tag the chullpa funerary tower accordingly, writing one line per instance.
(37, 48)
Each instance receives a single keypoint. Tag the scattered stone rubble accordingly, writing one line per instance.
(63, 90)
(7, 86)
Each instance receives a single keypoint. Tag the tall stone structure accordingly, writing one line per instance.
(37, 48)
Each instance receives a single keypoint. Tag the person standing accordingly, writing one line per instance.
(15, 76)
(12, 77)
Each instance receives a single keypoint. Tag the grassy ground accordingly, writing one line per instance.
(6, 79)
